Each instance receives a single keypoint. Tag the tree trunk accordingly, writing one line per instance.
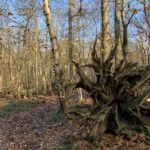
(118, 55)
(125, 30)
(1, 64)
(70, 36)
(106, 45)
(36, 49)
(57, 71)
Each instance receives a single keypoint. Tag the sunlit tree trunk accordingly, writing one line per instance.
(118, 55)
(81, 57)
(25, 47)
(57, 71)
(106, 45)
(147, 20)
(36, 49)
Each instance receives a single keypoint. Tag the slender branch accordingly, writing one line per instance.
(130, 18)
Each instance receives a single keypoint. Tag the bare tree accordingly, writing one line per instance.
(70, 35)
(125, 24)
(36, 48)
(53, 38)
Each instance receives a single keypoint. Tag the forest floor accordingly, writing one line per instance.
(36, 126)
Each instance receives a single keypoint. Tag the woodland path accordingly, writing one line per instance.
(33, 129)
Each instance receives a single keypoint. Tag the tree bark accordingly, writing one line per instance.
(125, 30)
(118, 55)
(106, 48)
(57, 71)
(70, 36)
(1, 65)
(36, 49)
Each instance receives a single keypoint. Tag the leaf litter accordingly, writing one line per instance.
(39, 128)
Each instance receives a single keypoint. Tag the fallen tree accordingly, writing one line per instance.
(119, 96)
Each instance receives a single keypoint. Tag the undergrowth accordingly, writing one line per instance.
(9, 107)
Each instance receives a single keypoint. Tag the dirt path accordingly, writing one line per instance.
(31, 130)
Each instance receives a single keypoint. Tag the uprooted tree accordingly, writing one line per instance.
(119, 97)
(120, 90)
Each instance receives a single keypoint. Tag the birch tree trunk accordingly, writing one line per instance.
(57, 70)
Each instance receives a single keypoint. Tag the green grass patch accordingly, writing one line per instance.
(9, 107)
